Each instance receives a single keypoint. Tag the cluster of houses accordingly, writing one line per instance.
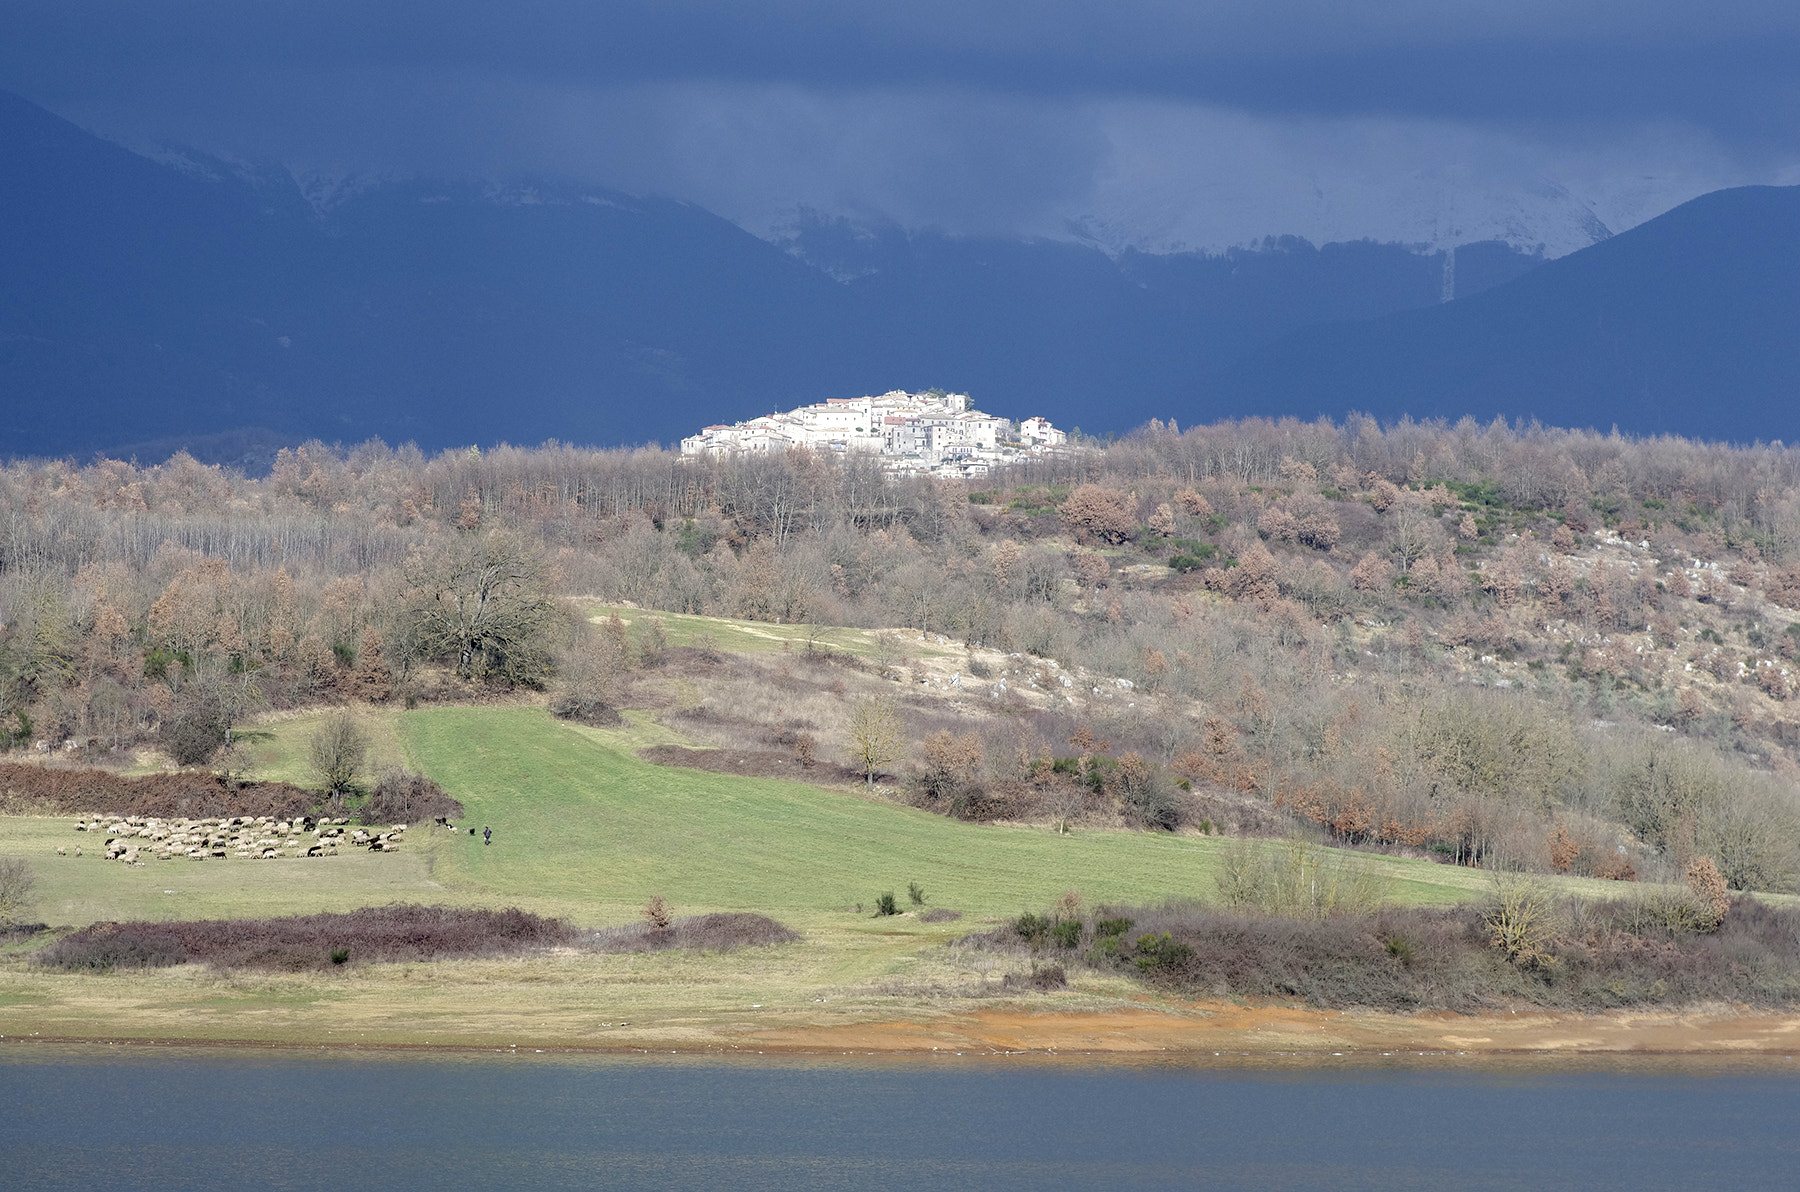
(935, 432)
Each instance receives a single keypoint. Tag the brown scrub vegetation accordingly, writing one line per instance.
(1505, 646)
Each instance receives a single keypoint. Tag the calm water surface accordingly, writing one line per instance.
(117, 1118)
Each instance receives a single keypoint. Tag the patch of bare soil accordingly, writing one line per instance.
(752, 763)
(1227, 1028)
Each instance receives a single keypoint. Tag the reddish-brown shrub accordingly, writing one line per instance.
(402, 798)
(53, 790)
(724, 932)
(1194, 503)
(1707, 885)
(403, 931)
(1615, 867)
(1563, 850)
(656, 913)
(1604, 955)
(1100, 512)
(950, 765)
(1372, 574)
(1784, 587)
(1255, 576)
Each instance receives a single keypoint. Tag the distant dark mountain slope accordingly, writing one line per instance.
(127, 289)
(142, 303)
(1687, 324)
(200, 301)
(1106, 344)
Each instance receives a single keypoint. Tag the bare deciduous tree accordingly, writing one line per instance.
(875, 737)
(1411, 531)
(590, 676)
(1521, 920)
(337, 751)
(483, 601)
(18, 888)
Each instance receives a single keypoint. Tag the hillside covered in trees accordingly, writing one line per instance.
(1500, 645)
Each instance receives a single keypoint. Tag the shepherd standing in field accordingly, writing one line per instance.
(487, 836)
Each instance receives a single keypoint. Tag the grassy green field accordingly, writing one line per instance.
(584, 826)
(584, 829)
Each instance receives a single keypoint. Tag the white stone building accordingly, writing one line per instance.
(915, 432)
(1039, 432)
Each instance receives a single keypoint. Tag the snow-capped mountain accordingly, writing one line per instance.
(1428, 214)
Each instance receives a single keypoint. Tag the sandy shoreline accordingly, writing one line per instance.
(1209, 1031)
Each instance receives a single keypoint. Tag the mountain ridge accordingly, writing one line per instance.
(1645, 330)
(153, 303)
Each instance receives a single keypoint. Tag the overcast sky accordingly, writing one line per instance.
(1166, 123)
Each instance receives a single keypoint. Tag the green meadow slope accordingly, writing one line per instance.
(584, 829)
(582, 826)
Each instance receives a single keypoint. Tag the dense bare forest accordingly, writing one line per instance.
(1500, 644)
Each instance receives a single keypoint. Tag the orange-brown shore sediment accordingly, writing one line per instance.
(1197, 1029)
(1226, 1027)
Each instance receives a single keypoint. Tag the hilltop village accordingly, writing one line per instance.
(933, 433)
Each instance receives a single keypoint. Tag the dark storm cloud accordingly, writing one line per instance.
(1174, 116)
(1718, 64)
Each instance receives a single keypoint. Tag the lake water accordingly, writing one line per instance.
(174, 1118)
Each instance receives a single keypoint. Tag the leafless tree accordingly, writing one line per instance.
(18, 888)
(483, 601)
(337, 750)
(875, 735)
(1411, 530)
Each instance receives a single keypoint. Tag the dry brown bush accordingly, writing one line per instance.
(401, 932)
(1606, 956)
(656, 913)
(950, 765)
(1707, 886)
(1255, 577)
(53, 790)
(403, 798)
(1372, 574)
(1093, 568)
(1100, 513)
(1193, 503)
(721, 932)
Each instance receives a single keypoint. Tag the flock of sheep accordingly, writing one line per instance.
(132, 839)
